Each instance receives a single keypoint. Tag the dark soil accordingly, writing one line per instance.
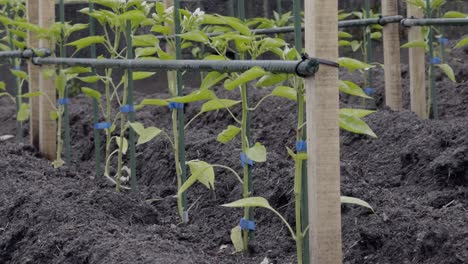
(415, 175)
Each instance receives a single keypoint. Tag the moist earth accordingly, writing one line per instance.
(415, 175)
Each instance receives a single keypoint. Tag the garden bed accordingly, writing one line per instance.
(414, 175)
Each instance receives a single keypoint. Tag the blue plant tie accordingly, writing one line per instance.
(127, 109)
(102, 126)
(436, 60)
(443, 41)
(17, 68)
(245, 160)
(301, 146)
(369, 91)
(174, 105)
(247, 224)
(63, 101)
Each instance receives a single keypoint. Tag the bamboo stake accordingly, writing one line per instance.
(323, 134)
(47, 127)
(391, 39)
(33, 18)
(417, 66)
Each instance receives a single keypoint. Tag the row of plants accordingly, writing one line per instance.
(117, 19)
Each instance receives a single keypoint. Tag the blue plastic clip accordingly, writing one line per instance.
(369, 91)
(443, 41)
(245, 160)
(102, 126)
(436, 60)
(63, 101)
(301, 146)
(17, 68)
(247, 224)
(127, 109)
(174, 105)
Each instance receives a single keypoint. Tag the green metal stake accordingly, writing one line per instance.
(304, 209)
(180, 112)
(279, 6)
(369, 47)
(16, 83)
(131, 114)
(66, 115)
(97, 139)
(434, 111)
(232, 11)
(241, 16)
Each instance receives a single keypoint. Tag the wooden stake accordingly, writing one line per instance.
(323, 134)
(33, 42)
(47, 127)
(391, 39)
(417, 66)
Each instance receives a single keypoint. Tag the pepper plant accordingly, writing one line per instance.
(114, 16)
(436, 49)
(12, 16)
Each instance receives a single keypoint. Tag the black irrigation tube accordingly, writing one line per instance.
(407, 22)
(25, 54)
(412, 22)
(306, 68)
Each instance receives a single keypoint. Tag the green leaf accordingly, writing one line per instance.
(448, 71)
(91, 93)
(352, 89)
(195, 96)
(204, 173)
(462, 43)
(23, 113)
(344, 43)
(200, 171)
(86, 42)
(418, 3)
(142, 75)
(54, 115)
(237, 25)
(77, 70)
(257, 153)
(148, 40)
(455, 14)
(416, 44)
(359, 113)
(165, 30)
(90, 79)
(145, 52)
(228, 134)
(250, 202)
(32, 94)
(285, 92)
(154, 102)
(236, 239)
(271, 79)
(197, 36)
(211, 79)
(436, 4)
(250, 75)
(355, 125)
(217, 104)
(2, 86)
(376, 35)
(212, 20)
(352, 64)
(352, 200)
(20, 74)
(145, 134)
(355, 45)
(215, 57)
(342, 34)
(125, 144)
